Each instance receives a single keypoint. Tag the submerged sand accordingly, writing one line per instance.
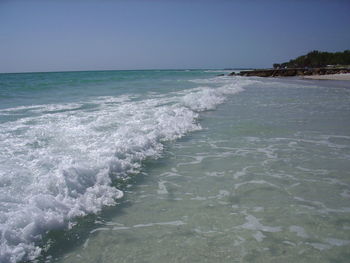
(345, 76)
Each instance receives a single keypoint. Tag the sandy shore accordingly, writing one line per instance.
(345, 76)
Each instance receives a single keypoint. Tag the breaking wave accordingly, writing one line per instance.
(59, 161)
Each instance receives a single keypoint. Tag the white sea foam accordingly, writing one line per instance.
(253, 223)
(60, 160)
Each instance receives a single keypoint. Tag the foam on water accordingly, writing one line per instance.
(59, 161)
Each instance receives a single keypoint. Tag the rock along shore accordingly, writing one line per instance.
(290, 72)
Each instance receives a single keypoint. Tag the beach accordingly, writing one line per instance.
(329, 77)
(175, 131)
(143, 166)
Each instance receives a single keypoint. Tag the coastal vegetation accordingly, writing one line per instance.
(317, 59)
(313, 63)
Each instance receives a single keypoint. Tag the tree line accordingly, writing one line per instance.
(317, 59)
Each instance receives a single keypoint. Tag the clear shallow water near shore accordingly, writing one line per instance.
(220, 169)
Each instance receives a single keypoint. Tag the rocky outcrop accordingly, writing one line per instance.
(290, 72)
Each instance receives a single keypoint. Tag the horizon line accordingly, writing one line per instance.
(150, 69)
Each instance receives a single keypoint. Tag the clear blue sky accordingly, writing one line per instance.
(145, 34)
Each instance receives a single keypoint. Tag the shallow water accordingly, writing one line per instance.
(212, 170)
(266, 180)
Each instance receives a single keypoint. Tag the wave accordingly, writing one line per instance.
(61, 161)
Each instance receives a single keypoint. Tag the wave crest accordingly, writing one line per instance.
(60, 161)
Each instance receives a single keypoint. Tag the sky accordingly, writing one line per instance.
(62, 35)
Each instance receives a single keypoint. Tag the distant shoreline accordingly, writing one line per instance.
(313, 73)
(340, 76)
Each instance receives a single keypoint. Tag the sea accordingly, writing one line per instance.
(173, 166)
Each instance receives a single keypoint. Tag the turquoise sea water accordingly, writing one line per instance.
(176, 166)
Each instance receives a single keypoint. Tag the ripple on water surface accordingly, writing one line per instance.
(275, 191)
